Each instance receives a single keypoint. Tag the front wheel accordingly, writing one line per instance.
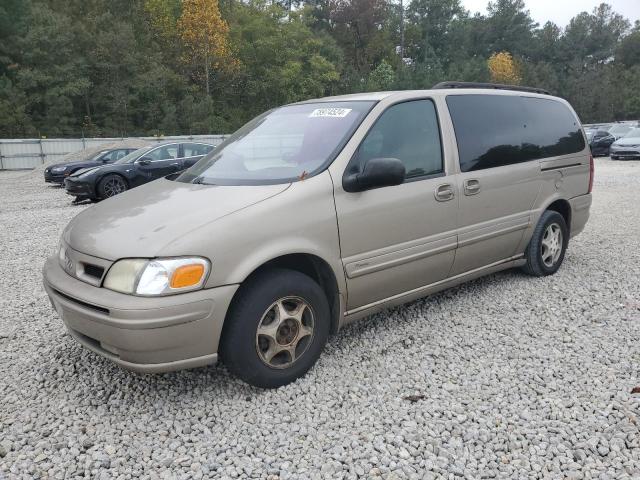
(547, 246)
(276, 328)
(111, 185)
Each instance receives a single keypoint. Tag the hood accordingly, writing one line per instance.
(77, 173)
(141, 221)
(627, 141)
(81, 163)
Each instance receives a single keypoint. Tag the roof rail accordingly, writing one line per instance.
(495, 86)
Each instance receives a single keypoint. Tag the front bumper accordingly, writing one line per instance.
(144, 334)
(625, 152)
(79, 188)
(51, 177)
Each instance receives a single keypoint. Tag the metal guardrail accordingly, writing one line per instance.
(29, 153)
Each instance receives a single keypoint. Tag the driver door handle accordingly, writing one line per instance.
(444, 192)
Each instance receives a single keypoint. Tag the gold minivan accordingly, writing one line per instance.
(316, 214)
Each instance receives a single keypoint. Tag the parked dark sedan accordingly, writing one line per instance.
(58, 172)
(142, 166)
(600, 141)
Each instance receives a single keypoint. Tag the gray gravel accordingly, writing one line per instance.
(505, 377)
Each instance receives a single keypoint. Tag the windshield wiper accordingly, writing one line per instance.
(199, 180)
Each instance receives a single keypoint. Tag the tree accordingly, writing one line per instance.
(433, 20)
(509, 27)
(359, 28)
(628, 51)
(280, 60)
(594, 37)
(164, 16)
(381, 78)
(205, 35)
(503, 69)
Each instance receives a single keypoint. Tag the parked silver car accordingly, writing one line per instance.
(627, 147)
(316, 214)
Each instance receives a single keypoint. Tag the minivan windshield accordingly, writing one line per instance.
(133, 155)
(282, 145)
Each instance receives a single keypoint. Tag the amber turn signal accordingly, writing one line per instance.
(187, 276)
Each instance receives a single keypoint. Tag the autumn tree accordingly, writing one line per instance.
(503, 69)
(205, 36)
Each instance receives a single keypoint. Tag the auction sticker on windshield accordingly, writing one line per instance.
(330, 112)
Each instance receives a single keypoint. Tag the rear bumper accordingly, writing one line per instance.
(143, 334)
(580, 207)
(79, 188)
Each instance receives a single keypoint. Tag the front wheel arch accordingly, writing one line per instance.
(314, 267)
(105, 175)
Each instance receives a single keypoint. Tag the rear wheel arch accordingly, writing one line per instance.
(563, 207)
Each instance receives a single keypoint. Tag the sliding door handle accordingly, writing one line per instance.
(471, 186)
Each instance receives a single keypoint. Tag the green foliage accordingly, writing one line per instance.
(381, 78)
(116, 67)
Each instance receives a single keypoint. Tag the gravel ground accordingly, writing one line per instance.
(507, 377)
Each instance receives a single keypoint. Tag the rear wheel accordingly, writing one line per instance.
(547, 246)
(614, 157)
(276, 328)
(111, 185)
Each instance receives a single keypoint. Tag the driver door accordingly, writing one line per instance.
(399, 238)
(159, 162)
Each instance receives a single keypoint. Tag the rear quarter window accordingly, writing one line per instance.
(497, 130)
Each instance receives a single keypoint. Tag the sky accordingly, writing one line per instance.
(561, 11)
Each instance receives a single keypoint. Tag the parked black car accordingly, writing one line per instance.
(600, 141)
(58, 172)
(142, 166)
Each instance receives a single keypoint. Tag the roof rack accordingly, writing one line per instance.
(495, 86)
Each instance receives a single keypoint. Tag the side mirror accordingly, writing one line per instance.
(377, 172)
(144, 161)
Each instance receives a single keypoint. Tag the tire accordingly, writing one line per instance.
(613, 157)
(250, 355)
(541, 259)
(111, 185)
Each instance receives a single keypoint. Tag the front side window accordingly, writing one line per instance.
(120, 153)
(409, 132)
(133, 156)
(497, 130)
(283, 145)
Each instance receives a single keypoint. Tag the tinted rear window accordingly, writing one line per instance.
(497, 130)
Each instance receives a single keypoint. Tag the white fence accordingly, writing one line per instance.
(29, 153)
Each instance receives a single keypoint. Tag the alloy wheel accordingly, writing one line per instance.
(551, 244)
(285, 332)
(114, 186)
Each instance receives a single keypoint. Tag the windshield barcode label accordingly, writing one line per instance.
(330, 112)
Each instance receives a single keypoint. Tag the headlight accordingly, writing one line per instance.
(161, 276)
(58, 169)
